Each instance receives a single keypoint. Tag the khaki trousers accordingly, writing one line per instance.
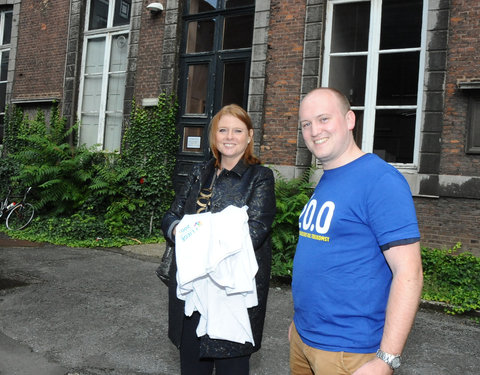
(305, 360)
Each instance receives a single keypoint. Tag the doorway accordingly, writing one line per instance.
(214, 71)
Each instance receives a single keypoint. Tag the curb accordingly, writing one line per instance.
(152, 249)
(442, 306)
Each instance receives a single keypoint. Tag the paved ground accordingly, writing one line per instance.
(93, 312)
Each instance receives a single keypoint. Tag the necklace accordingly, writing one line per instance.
(203, 200)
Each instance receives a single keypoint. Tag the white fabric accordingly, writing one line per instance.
(216, 269)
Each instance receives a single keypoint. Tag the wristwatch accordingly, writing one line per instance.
(390, 359)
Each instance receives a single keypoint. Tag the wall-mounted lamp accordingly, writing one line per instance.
(155, 8)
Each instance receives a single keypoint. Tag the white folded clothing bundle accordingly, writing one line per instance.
(216, 269)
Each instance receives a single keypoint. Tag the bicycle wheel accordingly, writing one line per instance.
(20, 216)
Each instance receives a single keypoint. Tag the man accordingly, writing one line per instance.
(357, 272)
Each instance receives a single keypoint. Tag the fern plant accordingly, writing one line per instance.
(58, 171)
(111, 196)
(292, 195)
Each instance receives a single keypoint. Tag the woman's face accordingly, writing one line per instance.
(231, 138)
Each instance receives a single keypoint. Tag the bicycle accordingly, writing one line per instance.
(18, 214)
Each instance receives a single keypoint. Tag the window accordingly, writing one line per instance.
(473, 124)
(104, 71)
(216, 37)
(5, 34)
(374, 54)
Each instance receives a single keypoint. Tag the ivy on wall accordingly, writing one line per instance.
(116, 194)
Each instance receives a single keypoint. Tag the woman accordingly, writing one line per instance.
(235, 177)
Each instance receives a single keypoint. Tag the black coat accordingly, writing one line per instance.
(250, 185)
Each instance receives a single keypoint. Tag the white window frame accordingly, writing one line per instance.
(4, 47)
(373, 54)
(108, 33)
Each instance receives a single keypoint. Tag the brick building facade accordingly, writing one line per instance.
(55, 43)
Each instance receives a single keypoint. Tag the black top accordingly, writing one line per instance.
(244, 185)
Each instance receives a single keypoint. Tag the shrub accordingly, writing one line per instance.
(452, 278)
(79, 230)
(8, 168)
(114, 188)
(149, 148)
(14, 127)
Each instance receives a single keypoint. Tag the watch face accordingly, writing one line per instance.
(396, 362)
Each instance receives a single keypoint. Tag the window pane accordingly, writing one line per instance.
(98, 14)
(122, 12)
(119, 54)
(92, 90)
(4, 65)
(238, 32)
(117, 76)
(398, 78)
(401, 24)
(238, 3)
(89, 130)
(473, 125)
(92, 85)
(200, 36)
(197, 88)
(3, 92)
(95, 56)
(116, 92)
(350, 27)
(358, 129)
(348, 74)
(199, 6)
(2, 126)
(7, 28)
(234, 83)
(395, 135)
(193, 139)
(113, 132)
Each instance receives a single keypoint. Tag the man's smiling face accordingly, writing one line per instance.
(326, 128)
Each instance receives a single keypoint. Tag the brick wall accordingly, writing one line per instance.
(283, 85)
(148, 67)
(463, 63)
(446, 221)
(42, 41)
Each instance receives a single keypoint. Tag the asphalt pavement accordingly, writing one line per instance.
(83, 311)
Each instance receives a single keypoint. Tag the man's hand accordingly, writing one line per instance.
(374, 367)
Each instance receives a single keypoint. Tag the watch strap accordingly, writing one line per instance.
(392, 360)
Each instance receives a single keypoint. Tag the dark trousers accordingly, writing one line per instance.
(192, 364)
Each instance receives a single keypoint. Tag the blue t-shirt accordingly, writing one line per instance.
(341, 280)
